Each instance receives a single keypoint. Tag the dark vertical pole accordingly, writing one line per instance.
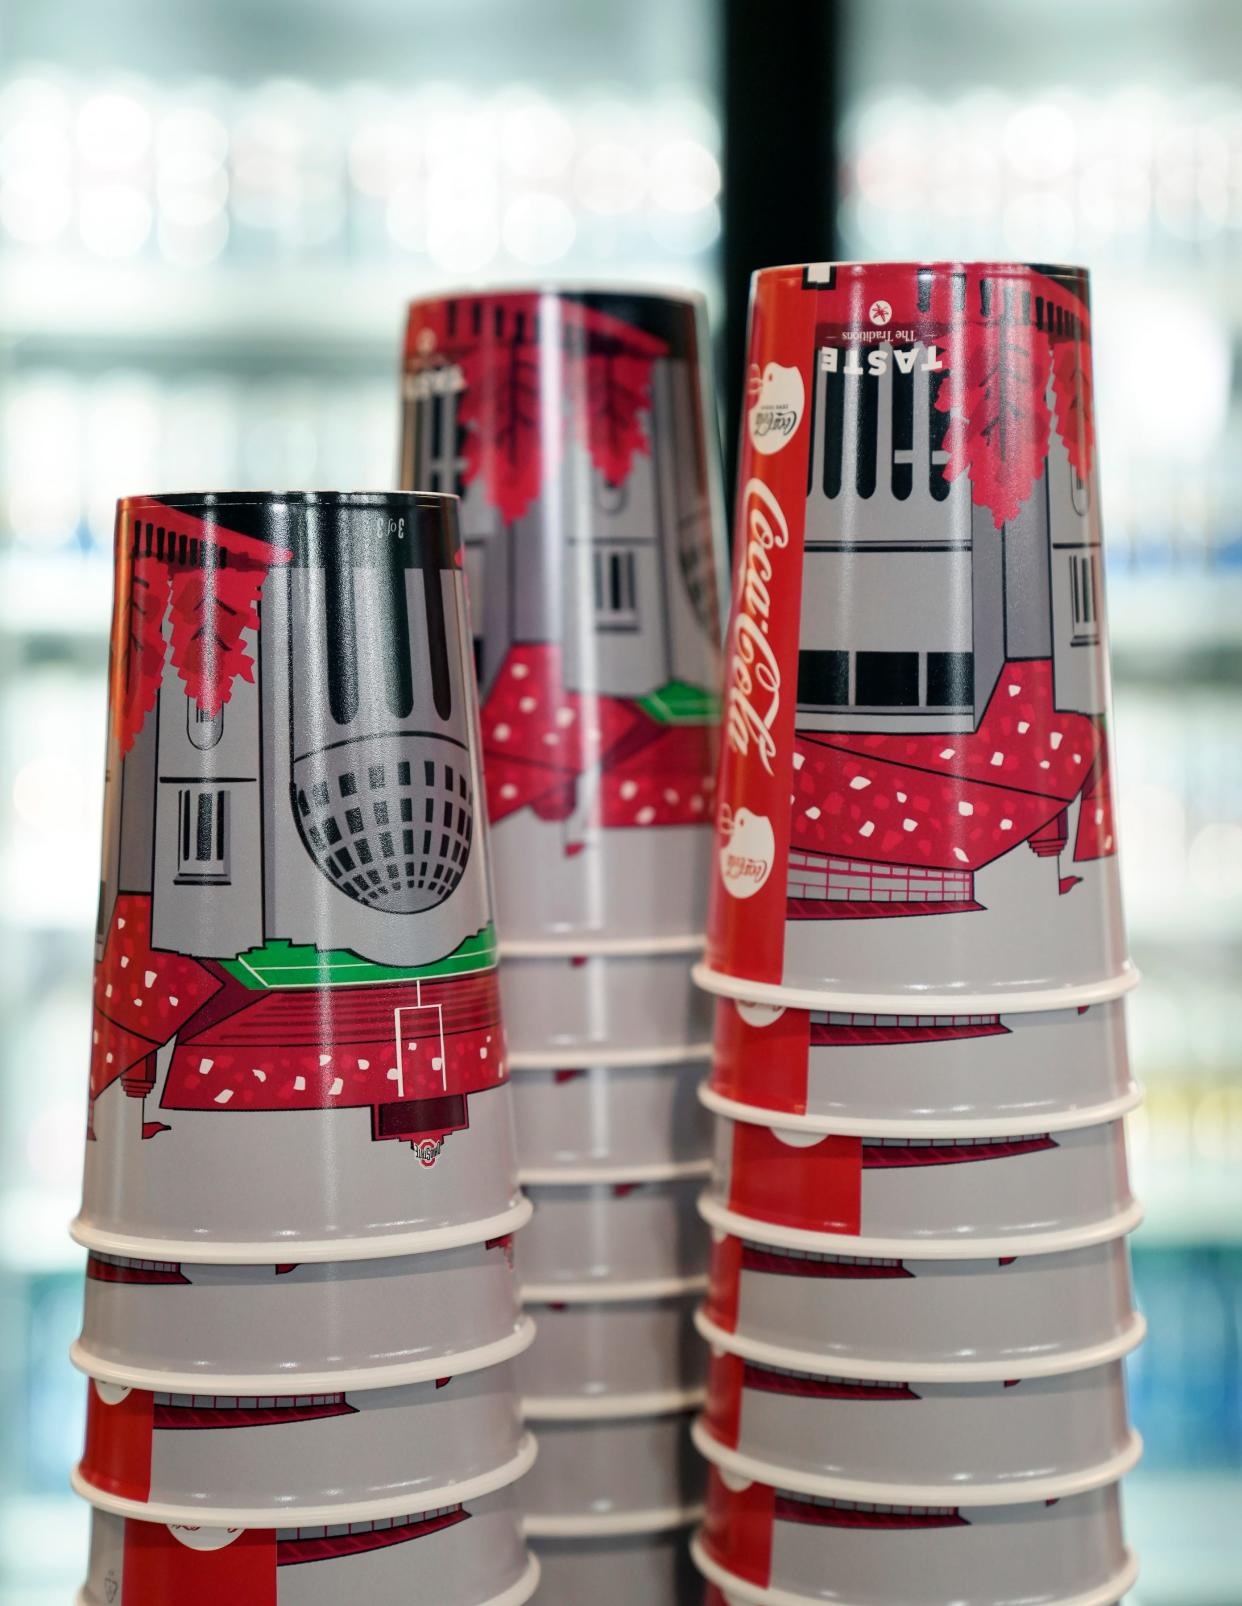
(780, 107)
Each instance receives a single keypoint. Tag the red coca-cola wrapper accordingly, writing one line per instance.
(574, 425)
(915, 805)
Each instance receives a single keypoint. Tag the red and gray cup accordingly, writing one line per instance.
(915, 804)
(574, 425)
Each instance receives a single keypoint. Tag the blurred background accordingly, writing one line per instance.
(209, 220)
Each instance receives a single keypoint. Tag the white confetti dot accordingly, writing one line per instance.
(965, 858)
(148, 978)
(966, 809)
(812, 814)
(413, 1047)
(1006, 825)
(120, 922)
(337, 1085)
(550, 738)
(564, 716)
(909, 825)
(259, 1076)
(108, 990)
(1099, 816)
(859, 783)
(483, 1052)
(520, 671)
(998, 759)
(629, 789)
(204, 1065)
(1045, 764)
(669, 795)
(325, 1059)
(124, 961)
(696, 803)
(901, 797)
(437, 1063)
(174, 1001)
(1077, 758)
(1013, 688)
(394, 1075)
(364, 1065)
(508, 790)
(502, 733)
(1108, 844)
(94, 1037)
(867, 829)
(1056, 739)
(645, 816)
(528, 704)
(299, 1084)
(224, 1095)
(799, 760)
(137, 1003)
(107, 1059)
(947, 752)
(1024, 725)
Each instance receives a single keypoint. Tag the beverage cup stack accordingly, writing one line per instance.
(573, 425)
(919, 1301)
(302, 1322)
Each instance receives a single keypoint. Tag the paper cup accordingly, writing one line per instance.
(604, 1010)
(612, 1359)
(597, 1479)
(915, 808)
(609, 1123)
(265, 1329)
(772, 1547)
(575, 427)
(465, 1554)
(653, 1569)
(869, 1315)
(952, 1074)
(962, 1197)
(296, 1032)
(323, 1456)
(612, 1241)
(875, 1439)
(229, 1189)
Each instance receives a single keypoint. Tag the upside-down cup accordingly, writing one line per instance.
(653, 1568)
(602, 1123)
(598, 1479)
(799, 1187)
(461, 1553)
(255, 1460)
(766, 1545)
(613, 1241)
(612, 1359)
(575, 426)
(610, 1010)
(910, 1320)
(890, 1442)
(915, 807)
(947, 1074)
(297, 1042)
(255, 1329)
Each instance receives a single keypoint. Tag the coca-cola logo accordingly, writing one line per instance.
(754, 675)
(779, 397)
(748, 853)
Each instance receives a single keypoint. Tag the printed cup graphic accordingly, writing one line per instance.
(777, 401)
(916, 687)
(951, 1197)
(612, 1358)
(610, 1123)
(612, 1477)
(954, 1073)
(875, 1438)
(612, 1241)
(195, 1325)
(575, 427)
(901, 1318)
(465, 1554)
(604, 1009)
(189, 1456)
(762, 1544)
(654, 1568)
(295, 952)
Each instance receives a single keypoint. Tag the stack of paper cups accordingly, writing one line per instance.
(920, 1301)
(574, 426)
(301, 1317)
